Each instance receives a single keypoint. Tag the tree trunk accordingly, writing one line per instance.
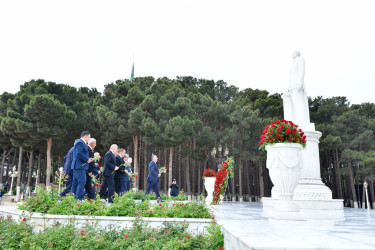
(352, 187)
(249, 181)
(187, 173)
(18, 188)
(371, 187)
(29, 176)
(199, 178)
(170, 169)
(38, 171)
(338, 176)
(48, 172)
(145, 172)
(5, 155)
(240, 176)
(165, 175)
(135, 166)
(261, 180)
(180, 168)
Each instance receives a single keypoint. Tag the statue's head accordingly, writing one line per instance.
(295, 54)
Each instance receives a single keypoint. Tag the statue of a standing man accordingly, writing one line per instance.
(296, 107)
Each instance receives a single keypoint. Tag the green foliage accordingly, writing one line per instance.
(18, 235)
(49, 202)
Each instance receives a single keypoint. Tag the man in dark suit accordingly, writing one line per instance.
(109, 173)
(80, 164)
(67, 163)
(153, 177)
(88, 187)
(120, 173)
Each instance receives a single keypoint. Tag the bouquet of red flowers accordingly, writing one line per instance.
(209, 173)
(282, 131)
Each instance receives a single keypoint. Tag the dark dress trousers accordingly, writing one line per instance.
(119, 175)
(108, 173)
(79, 166)
(88, 186)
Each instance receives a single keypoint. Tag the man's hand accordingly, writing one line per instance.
(159, 175)
(90, 160)
(126, 171)
(89, 173)
(99, 172)
(116, 168)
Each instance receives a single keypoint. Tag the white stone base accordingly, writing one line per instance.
(282, 215)
(310, 209)
(312, 189)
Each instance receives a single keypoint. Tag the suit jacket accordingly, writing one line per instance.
(68, 162)
(120, 172)
(109, 164)
(153, 172)
(80, 156)
(91, 164)
(129, 168)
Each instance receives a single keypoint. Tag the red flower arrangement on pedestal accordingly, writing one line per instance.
(282, 131)
(209, 173)
(221, 182)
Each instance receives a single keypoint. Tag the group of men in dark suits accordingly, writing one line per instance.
(116, 173)
(79, 165)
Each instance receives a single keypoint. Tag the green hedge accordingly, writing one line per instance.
(18, 235)
(49, 202)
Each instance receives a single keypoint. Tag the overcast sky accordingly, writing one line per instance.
(245, 43)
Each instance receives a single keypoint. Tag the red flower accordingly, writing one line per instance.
(93, 187)
(295, 139)
(150, 211)
(82, 231)
(181, 204)
(281, 138)
(54, 186)
(277, 134)
(96, 184)
(166, 232)
(278, 129)
(24, 219)
(271, 131)
(100, 185)
(213, 218)
(50, 243)
(188, 237)
(90, 201)
(126, 236)
(290, 138)
(159, 204)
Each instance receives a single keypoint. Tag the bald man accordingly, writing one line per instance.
(110, 168)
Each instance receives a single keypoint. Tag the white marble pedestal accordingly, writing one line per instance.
(311, 195)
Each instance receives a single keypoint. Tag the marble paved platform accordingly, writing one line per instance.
(245, 228)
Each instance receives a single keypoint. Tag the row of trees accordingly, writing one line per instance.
(190, 123)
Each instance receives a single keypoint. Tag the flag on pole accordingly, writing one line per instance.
(132, 74)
